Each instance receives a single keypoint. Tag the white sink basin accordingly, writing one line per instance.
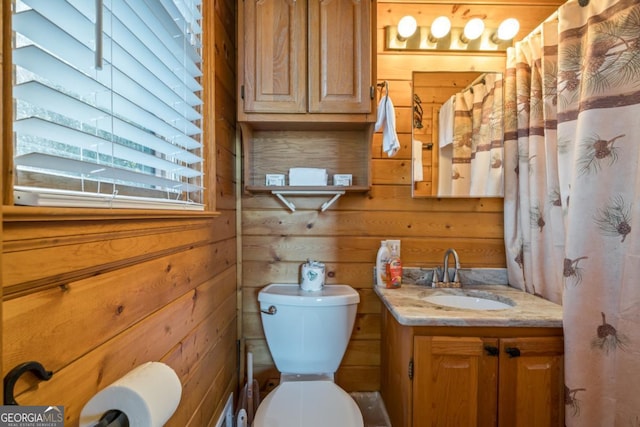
(471, 302)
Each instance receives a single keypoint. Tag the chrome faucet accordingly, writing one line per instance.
(446, 280)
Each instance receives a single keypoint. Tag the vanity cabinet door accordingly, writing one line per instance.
(455, 382)
(340, 51)
(275, 56)
(531, 390)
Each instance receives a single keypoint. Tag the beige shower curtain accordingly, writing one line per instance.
(476, 163)
(486, 143)
(462, 130)
(572, 191)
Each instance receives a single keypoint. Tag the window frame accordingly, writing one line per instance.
(17, 212)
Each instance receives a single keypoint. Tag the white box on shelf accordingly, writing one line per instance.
(274, 180)
(308, 176)
(342, 179)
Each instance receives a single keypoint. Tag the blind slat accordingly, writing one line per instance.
(45, 97)
(141, 41)
(98, 172)
(65, 135)
(163, 26)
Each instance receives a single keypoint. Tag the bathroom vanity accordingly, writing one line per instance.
(449, 366)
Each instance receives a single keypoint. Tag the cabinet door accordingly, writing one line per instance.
(455, 382)
(275, 56)
(340, 56)
(531, 382)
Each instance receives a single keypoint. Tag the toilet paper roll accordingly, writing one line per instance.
(148, 396)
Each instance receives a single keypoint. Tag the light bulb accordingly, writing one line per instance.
(508, 29)
(440, 27)
(473, 29)
(406, 27)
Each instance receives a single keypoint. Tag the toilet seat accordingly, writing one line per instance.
(308, 404)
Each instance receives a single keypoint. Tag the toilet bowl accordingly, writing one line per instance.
(307, 333)
(308, 404)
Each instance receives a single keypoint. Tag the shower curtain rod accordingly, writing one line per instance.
(477, 80)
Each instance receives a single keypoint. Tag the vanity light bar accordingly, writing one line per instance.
(441, 36)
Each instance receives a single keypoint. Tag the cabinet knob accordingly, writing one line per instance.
(491, 350)
(512, 351)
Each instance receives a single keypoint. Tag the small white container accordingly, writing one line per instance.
(344, 179)
(312, 273)
(274, 179)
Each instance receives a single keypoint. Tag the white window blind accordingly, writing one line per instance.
(107, 103)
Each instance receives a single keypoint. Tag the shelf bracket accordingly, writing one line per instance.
(284, 200)
(280, 194)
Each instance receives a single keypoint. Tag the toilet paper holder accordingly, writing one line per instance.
(113, 418)
(13, 375)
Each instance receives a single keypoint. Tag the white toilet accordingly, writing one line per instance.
(307, 334)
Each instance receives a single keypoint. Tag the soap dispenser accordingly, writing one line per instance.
(382, 258)
(394, 268)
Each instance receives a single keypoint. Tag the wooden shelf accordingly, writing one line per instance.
(309, 189)
(276, 151)
(281, 192)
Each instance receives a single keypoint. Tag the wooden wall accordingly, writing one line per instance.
(91, 294)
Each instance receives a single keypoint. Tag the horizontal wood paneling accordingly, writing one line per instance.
(332, 223)
(74, 254)
(59, 314)
(484, 252)
(156, 337)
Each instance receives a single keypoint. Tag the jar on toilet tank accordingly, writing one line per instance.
(312, 276)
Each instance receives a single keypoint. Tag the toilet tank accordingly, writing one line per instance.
(307, 332)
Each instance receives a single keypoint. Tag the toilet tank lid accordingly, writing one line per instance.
(292, 294)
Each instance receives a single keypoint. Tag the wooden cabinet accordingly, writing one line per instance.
(306, 79)
(305, 57)
(468, 376)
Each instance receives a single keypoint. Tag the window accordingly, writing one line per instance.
(107, 106)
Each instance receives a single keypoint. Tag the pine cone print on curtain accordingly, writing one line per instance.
(537, 218)
(572, 272)
(614, 219)
(571, 399)
(597, 151)
(607, 338)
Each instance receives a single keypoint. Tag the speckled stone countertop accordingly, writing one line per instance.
(409, 308)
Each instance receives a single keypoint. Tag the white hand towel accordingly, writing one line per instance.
(417, 161)
(445, 122)
(387, 118)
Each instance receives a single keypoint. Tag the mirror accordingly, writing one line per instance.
(457, 134)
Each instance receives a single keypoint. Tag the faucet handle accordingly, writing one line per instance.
(456, 277)
(434, 278)
(445, 275)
